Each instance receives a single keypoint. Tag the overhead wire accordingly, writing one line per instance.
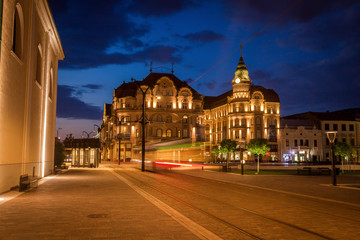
(315, 63)
(247, 41)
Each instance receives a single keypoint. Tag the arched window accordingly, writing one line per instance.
(18, 31)
(185, 119)
(159, 132)
(185, 104)
(168, 133)
(159, 118)
(168, 119)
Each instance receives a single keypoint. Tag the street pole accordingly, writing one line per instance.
(143, 131)
(331, 135)
(333, 172)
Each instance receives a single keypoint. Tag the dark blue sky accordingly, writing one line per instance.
(108, 42)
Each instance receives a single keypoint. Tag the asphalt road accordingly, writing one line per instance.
(125, 203)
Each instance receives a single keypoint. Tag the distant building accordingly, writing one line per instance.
(176, 114)
(84, 152)
(301, 141)
(345, 122)
(29, 53)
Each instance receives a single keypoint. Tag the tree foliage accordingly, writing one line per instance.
(227, 146)
(343, 149)
(215, 151)
(258, 146)
(59, 154)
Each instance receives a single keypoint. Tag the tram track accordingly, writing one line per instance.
(233, 226)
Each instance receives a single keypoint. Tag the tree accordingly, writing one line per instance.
(227, 146)
(343, 149)
(215, 151)
(258, 146)
(59, 153)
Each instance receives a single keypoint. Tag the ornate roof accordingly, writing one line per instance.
(269, 95)
(130, 88)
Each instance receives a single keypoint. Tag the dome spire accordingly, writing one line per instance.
(241, 70)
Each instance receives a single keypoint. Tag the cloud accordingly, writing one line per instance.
(68, 106)
(93, 86)
(204, 36)
(260, 11)
(321, 87)
(158, 8)
(336, 30)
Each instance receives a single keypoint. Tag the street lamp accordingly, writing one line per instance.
(143, 130)
(331, 135)
(57, 132)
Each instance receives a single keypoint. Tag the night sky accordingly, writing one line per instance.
(111, 41)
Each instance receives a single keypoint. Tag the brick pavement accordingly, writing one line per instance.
(86, 204)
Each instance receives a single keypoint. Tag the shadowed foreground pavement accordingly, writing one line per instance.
(86, 204)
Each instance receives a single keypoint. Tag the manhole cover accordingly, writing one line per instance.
(97, 216)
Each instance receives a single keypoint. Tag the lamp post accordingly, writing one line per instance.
(119, 138)
(331, 135)
(57, 132)
(143, 130)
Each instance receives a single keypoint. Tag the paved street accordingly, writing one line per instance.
(124, 203)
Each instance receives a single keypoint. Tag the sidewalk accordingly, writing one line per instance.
(86, 204)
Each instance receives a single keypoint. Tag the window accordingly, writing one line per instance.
(51, 82)
(158, 105)
(343, 127)
(185, 133)
(295, 143)
(185, 119)
(179, 134)
(352, 141)
(207, 127)
(327, 142)
(236, 122)
(344, 140)
(315, 143)
(17, 44)
(301, 142)
(243, 122)
(168, 133)
(159, 118)
(170, 93)
(306, 142)
(258, 120)
(137, 132)
(38, 65)
(327, 126)
(164, 93)
(185, 105)
(168, 119)
(351, 127)
(159, 132)
(335, 127)
(168, 105)
(287, 142)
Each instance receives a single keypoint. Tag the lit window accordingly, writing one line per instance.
(168, 133)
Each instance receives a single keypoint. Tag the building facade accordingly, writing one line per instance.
(345, 122)
(29, 55)
(84, 152)
(177, 114)
(301, 141)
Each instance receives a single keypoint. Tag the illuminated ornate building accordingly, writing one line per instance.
(174, 113)
(243, 113)
(29, 55)
(177, 114)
